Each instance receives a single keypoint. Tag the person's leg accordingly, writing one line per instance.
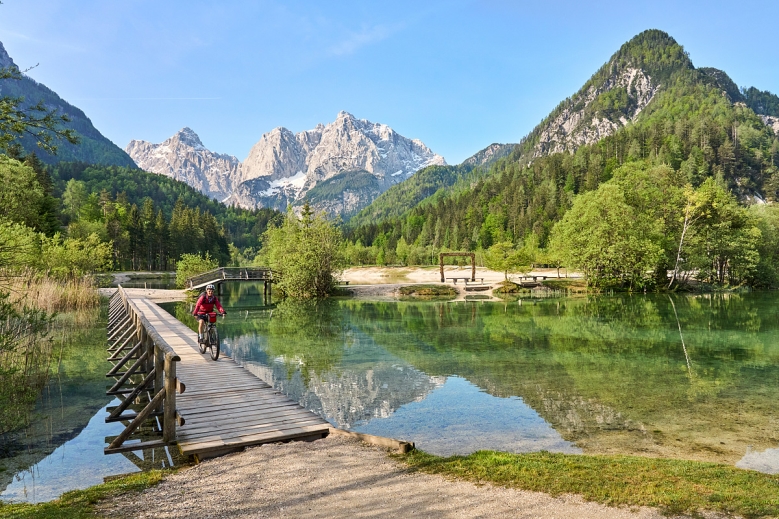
(200, 325)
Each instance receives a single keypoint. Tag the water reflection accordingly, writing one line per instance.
(691, 377)
(766, 461)
(78, 463)
(458, 418)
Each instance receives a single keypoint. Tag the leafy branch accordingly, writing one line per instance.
(38, 121)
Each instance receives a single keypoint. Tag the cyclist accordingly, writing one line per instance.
(204, 306)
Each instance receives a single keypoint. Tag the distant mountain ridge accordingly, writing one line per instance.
(93, 147)
(183, 157)
(338, 168)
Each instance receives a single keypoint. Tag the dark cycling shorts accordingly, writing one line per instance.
(202, 317)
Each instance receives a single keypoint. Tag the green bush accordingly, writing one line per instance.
(191, 265)
(74, 257)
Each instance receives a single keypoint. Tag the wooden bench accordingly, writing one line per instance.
(534, 278)
(465, 279)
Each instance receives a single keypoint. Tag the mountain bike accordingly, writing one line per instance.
(211, 337)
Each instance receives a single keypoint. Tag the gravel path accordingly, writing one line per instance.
(338, 477)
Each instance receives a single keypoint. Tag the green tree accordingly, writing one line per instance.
(607, 239)
(305, 253)
(73, 257)
(191, 265)
(74, 197)
(503, 257)
(22, 196)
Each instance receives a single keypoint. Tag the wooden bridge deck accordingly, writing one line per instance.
(225, 407)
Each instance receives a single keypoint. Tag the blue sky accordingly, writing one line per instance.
(456, 74)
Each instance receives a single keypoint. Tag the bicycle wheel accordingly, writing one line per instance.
(201, 343)
(213, 339)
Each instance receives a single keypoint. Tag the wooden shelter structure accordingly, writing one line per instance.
(443, 255)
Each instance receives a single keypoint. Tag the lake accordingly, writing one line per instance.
(682, 376)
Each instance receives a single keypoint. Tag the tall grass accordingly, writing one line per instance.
(28, 302)
(25, 355)
(44, 292)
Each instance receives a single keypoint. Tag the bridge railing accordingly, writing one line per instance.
(155, 359)
(230, 273)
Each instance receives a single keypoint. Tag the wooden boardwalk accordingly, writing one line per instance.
(226, 408)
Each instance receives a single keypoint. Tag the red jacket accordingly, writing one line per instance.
(205, 305)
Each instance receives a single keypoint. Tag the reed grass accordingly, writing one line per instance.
(25, 356)
(28, 302)
(44, 292)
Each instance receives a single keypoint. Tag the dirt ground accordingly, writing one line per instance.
(335, 478)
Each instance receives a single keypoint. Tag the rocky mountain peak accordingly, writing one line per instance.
(188, 137)
(283, 167)
(5, 59)
(349, 161)
(183, 157)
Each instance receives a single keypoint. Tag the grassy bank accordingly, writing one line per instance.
(81, 503)
(674, 486)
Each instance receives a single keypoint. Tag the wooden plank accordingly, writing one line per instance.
(205, 406)
(249, 420)
(259, 429)
(153, 444)
(213, 410)
(216, 442)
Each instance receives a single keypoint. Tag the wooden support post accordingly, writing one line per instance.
(159, 375)
(127, 374)
(169, 409)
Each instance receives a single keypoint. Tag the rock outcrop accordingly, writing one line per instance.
(772, 122)
(573, 125)
(183, 157)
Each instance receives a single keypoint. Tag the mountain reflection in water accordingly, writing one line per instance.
(601, 374)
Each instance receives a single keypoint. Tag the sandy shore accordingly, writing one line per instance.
(384, 282)
(335, 478)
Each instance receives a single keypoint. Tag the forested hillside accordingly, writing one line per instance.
(151, 219)
(697, 124)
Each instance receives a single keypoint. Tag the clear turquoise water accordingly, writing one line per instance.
(580, 375)
(688, 376)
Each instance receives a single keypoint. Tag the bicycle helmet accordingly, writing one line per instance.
(210, 287)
